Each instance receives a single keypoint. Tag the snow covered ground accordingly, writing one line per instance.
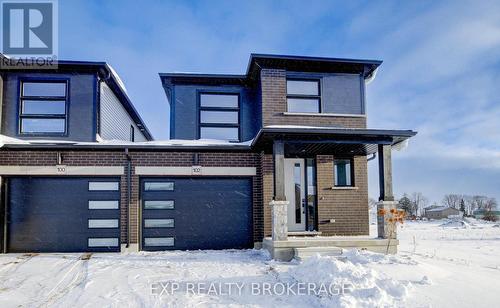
(438, 265)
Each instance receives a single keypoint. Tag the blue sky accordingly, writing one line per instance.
(440, 76)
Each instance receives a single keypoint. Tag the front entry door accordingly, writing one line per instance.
(295, 193)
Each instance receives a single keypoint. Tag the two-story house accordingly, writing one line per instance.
(281, 150)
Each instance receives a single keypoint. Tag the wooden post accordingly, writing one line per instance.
(385, 172)
(279, 170)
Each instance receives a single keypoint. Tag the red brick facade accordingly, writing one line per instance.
(273, 82)
(348, 207)
(118, 158)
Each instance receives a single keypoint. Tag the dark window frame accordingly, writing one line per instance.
(22, 98)
(227, 109)
(304, 96)
(351, 161)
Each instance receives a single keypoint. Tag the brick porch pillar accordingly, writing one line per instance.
(279, 205)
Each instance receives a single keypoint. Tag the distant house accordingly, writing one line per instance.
(440, 212)
(479, 214)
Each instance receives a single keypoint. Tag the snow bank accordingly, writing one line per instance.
(367, 257)
(456, 224)
(369, 288)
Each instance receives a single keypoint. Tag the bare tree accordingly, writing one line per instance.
(418, 203)
(469, 205)
(479, 202)
(490, 204)
(452, 200)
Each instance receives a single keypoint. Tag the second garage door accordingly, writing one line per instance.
(196, 213)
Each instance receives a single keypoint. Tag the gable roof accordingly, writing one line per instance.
(108, 75)
(440, 209)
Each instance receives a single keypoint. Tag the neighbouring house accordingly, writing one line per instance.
(253, 160)
(440, 212)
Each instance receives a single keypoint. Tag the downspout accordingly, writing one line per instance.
(374, 155)
(129, 193)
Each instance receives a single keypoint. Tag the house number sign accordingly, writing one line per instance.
(196, 170)
(61, 168)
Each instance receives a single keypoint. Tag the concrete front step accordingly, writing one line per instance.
(306, 252)
(304, 233)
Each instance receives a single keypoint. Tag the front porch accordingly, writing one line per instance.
(334, 209)
(303, 247)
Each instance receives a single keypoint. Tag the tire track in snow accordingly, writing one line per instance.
(12, 266)
(76, 279)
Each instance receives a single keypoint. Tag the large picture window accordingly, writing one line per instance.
(43, 107)
(343, 172)
(303, 96)
(219, 116)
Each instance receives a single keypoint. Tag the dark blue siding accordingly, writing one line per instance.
(51, 215)
(184, 107)
(81, 116)
(209, 213)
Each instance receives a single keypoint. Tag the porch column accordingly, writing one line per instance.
(279, 205)
(386, 198)
(385, 172)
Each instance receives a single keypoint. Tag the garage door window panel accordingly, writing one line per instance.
(103, 242)
(104, 186)
(158, 223)
(103, 223)
(159, 204)
(159, 186)
(103, 204)
(159, 241)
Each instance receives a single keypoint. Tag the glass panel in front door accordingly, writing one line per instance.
(295, 193)
(297, 178)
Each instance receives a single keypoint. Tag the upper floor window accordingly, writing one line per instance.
(43, 107)
(344, 172)
(219, 116)
(132, 133)
(303, 96)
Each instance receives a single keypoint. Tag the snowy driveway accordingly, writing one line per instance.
(445, 267)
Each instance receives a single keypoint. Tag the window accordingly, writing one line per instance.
(159, 186)
(219, 116)
(303, 96)
(343, 172)
(132, 133)
(103, 186)
(43, 107)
